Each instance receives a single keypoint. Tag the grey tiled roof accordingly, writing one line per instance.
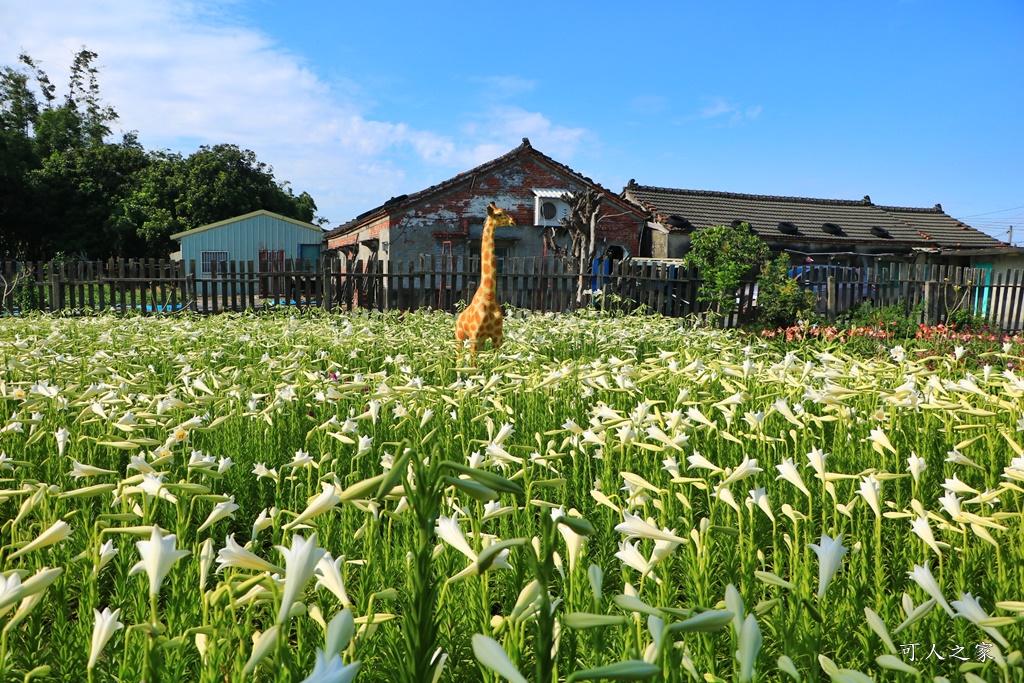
(941, 227)
(907, 227)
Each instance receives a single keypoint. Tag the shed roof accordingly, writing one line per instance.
(235, 219)
(859, 222)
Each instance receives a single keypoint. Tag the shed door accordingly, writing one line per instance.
(310, 252)
(981, 298)
(271, 259)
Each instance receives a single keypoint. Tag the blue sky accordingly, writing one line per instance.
(912, 102)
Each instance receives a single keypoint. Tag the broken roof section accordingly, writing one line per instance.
(801, 219)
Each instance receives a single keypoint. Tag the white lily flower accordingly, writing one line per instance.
(63, 437)
(956, 457)
(234, 555)
(916, 465)
(104, 626)
(951, 504)
(449, 531)
(339, 632)
(158, 556)
(871, 490)
(504, 432)
(957, 486)
(968, 608)
(492, 655)
(327, 500)
(922, 576)
(830, 557)
(365, 445)
(106, 554)
(734, 603)
(261, 470)
(331, 669)
(153, 485)
(759, 498)
(59, 531)
(14, 590)
(78, 470)
(328, 575)
(880, 442)
(788, 471)
(633, 526)
(302, 459)
(723, 494)
(631, 557)
(924, 532)
(220, 511)
(205, 560)
(262, 521)
(698, 461)
(300, 564)
(816, 459)
(745, 469)
(1016, 469)
(262, 644)
(573, 541)
(10, 591)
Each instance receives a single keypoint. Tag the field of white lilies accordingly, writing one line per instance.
(337, 498)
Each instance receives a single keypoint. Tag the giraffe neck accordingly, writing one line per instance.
(488, 269)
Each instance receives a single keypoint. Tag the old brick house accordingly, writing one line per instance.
(446, 220)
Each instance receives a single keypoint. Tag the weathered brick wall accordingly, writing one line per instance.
(457, 215)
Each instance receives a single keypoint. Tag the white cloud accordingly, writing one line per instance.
(504, 126)
(184, 74)
(724, 110)
(716, 107)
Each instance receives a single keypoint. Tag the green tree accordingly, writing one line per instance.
(224, 181)
(723, 255)
(780, 300)
(64, 187)
(18, 111)
(173, 194)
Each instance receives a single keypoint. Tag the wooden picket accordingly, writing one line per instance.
(153, 287)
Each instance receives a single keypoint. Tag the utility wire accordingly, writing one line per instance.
(989, 213)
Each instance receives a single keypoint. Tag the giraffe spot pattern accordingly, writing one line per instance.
(482, 319)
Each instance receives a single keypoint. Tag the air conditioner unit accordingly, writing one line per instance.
(550, 211)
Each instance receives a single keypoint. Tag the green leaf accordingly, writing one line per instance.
(488, 479)
(630, 670)
(472, 489)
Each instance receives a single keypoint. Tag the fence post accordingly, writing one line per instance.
(56, 295)
(830, 293)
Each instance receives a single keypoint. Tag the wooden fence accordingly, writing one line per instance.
(537, 284)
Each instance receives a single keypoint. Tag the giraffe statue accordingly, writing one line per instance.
(482, 318)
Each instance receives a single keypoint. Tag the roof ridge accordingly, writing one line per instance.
(914, 209)
(741, 195)
(524, 148)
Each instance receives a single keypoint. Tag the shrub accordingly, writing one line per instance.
(780, 300)
(894, 319)
(723, 254)
(963, 319)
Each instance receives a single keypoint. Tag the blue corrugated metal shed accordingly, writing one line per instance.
(243, 238)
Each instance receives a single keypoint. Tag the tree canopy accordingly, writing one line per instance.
(723, 254)
(67, 189)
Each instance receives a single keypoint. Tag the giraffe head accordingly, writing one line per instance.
(498, 217)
